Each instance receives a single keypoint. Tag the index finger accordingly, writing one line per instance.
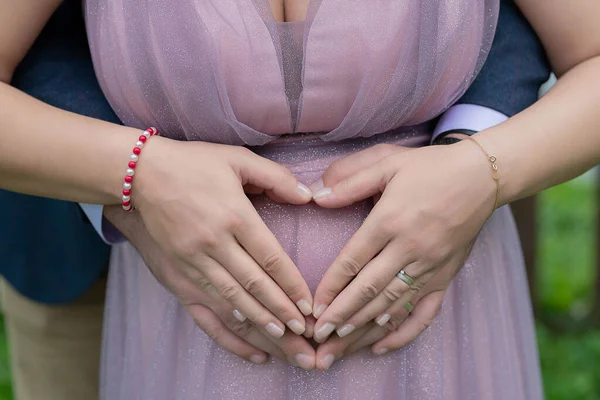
(261, 244)
(360, 249)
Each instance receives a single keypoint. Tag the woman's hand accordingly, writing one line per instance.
(434, 201)
(211, 312)
(397, 327)
(192, 201)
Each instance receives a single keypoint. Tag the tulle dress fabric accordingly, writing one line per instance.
(354, 74)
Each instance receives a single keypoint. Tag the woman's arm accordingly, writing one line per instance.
(43, 150)
(190, 196)
(559, 137)
(442, 210)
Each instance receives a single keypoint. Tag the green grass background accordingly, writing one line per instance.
(570, 351)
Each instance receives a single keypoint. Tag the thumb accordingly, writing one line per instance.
(353, 163)
(360, 186)
(274, 179)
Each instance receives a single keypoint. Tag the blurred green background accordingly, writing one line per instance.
(569, 344)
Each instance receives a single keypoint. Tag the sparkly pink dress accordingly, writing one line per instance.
(355, 73)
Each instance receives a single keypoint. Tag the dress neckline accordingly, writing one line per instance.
(313, 9)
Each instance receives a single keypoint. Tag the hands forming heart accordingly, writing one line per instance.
(424, 222)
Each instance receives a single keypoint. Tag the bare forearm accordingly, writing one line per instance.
(49, 152)
(553, 141)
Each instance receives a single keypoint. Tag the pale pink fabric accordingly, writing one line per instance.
(224, 71)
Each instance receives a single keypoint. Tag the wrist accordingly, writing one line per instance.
(475, 170)
(117, 148)
(149, 170)
(512, 179)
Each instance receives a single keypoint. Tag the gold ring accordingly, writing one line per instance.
(409, 306)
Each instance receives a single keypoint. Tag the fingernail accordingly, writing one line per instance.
(316, 186)
(296, 326)
(322, 193)
(382, 351)
(327, 361)
(304, 190)
(292, 361)
(274, 330)
(304, 307)
(305, 361)
(324, 331)
(239, 316)
(258, 359)
(345, 330)
(319, 310)
(384, 319)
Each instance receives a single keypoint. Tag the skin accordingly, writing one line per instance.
(433, 234)
(49, 152)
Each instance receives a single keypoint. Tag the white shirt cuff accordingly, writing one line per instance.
(468, 116)
(108, 233)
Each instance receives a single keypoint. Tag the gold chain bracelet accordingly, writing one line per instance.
(495, 174)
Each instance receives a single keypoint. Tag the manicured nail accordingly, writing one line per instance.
(304, 307)
(384, 319)
(382, 351)
(324, 331)
(292, 361)
(274, 330)
(345, 330)
(304, 190)
(322, 193)
(239, 316)
(316, 186)
(319, 310)
(327, 361)
(296, 326)
(305, 361)
(258, 359)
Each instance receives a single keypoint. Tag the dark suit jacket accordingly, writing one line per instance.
(50, 252)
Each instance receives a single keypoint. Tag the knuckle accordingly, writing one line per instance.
(241, 329)
(272, 264)
(350, 265)
(255, 284)
(389, 228)
(368, 292)
(233, 221)
(413, 246)
(231, 293)
(192, 245)
(187, 248)
(392, 294)
(202, 283)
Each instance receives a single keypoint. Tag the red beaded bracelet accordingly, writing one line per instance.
(133, 159)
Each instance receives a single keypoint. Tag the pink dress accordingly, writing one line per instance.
(355, 73)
